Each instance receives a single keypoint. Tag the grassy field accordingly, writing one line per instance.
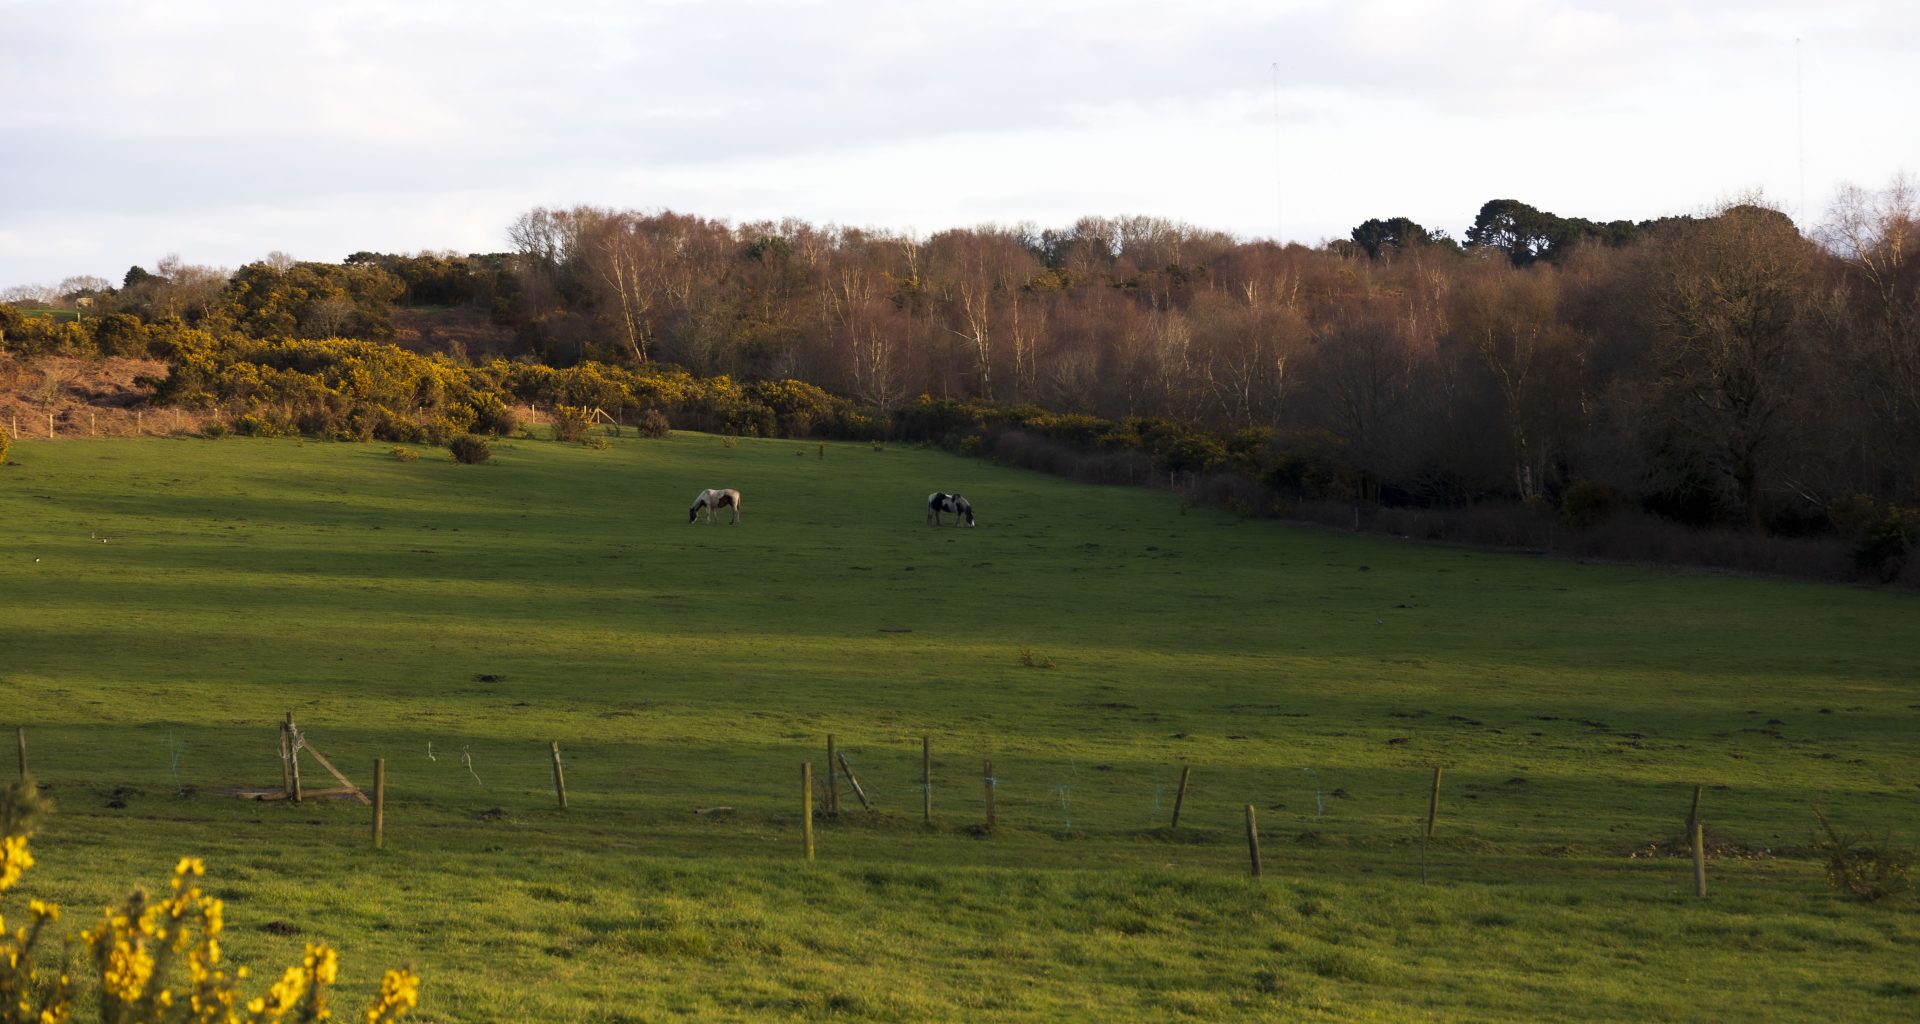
(166, 601)
(55, 313)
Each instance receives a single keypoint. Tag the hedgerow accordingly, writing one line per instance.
(358, 390)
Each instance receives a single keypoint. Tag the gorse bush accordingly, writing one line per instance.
(157, 960)
(470, 449)
(264, 424)
(491, 416)
(653, 423)
(356, 390)
(6, 445)
(571, 423)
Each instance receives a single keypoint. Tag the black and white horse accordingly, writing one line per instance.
(938, 502)
(711, 500)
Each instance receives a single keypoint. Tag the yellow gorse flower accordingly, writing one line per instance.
(138, 947)
(323, 963)
(399, 992)
(14, 860)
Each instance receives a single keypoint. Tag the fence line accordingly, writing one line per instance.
(1068, 799)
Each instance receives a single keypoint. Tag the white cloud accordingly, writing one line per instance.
(224, 130)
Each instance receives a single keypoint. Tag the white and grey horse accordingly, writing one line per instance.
(939, 502)
(713, 499)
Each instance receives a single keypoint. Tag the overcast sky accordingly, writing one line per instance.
(224, 130)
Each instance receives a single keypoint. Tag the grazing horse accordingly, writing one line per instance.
(712, 499)
(938, 502)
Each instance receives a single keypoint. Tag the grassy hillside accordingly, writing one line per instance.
(168, 600)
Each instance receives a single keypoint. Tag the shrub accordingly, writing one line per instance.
(1587, 504)
(436, 431)
(6, 443)
(1887, 542)
(1312, 466)
(493, 417)
(404, 455)
(796, 406)
(462, 418)
(1861, 868)
(264, 424)
(470, 449)
(653, 423)
(570, 423)
(1190, 452)
(156, 956)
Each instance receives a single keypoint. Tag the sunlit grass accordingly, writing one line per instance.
(187, 594)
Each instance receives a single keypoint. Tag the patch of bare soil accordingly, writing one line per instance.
(458, 331)
(59, 396)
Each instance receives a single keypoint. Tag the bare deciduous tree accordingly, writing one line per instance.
(1732, 309)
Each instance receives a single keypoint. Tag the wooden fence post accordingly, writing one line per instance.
(987, 777)
(854, 781)
(293, 755)
(926, 780)
(1693, 812)
(20, 733)
(833, 782)
(806, 805)
(379, 802)
(286, 758)
(1699, 859)
(1433, 801)
(559, 777)
(1253, 841)
(1180, 796)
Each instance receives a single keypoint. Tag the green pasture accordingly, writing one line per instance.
(163, 602)
(54, 313)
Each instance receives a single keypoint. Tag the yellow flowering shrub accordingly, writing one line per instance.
(158, 961)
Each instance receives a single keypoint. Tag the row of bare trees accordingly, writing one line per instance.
(1727, 368)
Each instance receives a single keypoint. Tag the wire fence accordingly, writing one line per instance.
(903, 785)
